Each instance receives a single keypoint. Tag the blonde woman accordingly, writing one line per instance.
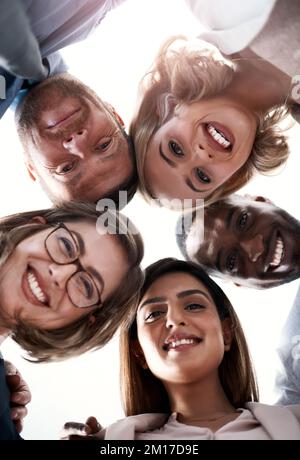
(204, 125)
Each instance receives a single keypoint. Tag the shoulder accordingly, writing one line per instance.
(127, 427)
(228, 24)
(281, 422)
(218, 14)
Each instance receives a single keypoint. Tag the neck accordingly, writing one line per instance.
(257, 84)
(204, 400)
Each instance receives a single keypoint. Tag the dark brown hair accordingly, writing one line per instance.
(142, 392)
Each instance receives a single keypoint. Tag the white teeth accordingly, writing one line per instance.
(177, 343)
(35, 288)
(278, 253)
(218, 137)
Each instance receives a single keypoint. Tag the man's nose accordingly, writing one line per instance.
(254, 247)
(60, 274)
(76, 142)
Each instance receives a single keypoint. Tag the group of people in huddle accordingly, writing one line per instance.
(208, 119)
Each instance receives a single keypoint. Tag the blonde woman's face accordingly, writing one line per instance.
(199, 149)
(35, 288)
(179, 329)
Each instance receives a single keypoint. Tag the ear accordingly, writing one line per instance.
(91, 319)
(227, 333)
(165, 105)
(30, 170)
(139, 354)
(115, 114)
(260, 198)
(38, 220)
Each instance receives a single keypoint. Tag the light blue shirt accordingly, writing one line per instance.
(31, 33)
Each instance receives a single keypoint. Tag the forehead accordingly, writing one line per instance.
(172, 283)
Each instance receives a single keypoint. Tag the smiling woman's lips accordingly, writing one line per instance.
(181, 343)
(214, 144)
(224, 130)
(62, 119)
(28, 293)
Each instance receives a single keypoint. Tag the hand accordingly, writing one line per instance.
(83, 431)
(20, 395)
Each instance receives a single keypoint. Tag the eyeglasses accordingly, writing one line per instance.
(62, 249)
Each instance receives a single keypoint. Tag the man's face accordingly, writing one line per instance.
(254, 242)
(73, 145)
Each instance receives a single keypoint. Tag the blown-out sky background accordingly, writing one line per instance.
(112, 61)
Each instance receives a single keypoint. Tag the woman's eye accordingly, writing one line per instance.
(102, 146)
(87, 287)
(194, 306)
(176, 149)
(67, 247)
(202, 176)
(65, 168)
(153, 315)
(242, 220)
(231, 262)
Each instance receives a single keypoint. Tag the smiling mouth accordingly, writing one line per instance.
(181, 343)
(278, 254)
(35, 290)
(219, 136)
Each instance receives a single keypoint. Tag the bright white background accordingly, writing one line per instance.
(112, 61)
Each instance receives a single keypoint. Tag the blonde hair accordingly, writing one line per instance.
(188, 75)
(82, 335)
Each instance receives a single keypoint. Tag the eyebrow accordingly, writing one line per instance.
(188, 292)
(179, 295)
(82, 250)
(153, 300)
(166, 159)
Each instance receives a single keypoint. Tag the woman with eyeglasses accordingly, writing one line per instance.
(186, 371)
(65, 285)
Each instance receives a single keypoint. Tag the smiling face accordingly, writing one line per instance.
(34, 288)
(179, 329)
(199, 149)
(72, 144)
(254, 242)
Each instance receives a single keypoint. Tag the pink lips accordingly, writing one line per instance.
(27, 291)
(222, 129)
(66, 117)
(175, 337)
